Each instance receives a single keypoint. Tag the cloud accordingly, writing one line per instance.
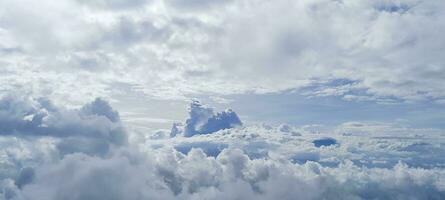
(382, 128)
(202, 120)
(100, 107)
(196, 5)
(285, 128)
(173, 49)
(364, 147)
(70, 51)
(115, 4)
(26, 176)
(248, 162)
(92, 128)
(231, 175)
(209, 148)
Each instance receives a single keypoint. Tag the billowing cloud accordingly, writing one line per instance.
(202, 120)
(92, 128)
(231, 175)
(71, 158)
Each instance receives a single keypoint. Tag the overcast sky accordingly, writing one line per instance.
(376, 60)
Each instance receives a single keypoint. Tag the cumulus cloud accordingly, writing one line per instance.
(243, 162)
(92, 128)
(202, 120)
(231, 175)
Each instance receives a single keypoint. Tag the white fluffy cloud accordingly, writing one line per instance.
(52, 152)
(231, 175)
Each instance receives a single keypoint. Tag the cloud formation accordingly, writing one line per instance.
(90, 129)
(358, 50)
(202, 120)
(231, 175)
(57, 55)
(45, 158)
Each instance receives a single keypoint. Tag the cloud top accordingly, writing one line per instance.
(203, 120)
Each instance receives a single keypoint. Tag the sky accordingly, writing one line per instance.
(222, 99)
(384, 57)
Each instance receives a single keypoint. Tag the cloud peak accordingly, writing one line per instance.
(203, 120)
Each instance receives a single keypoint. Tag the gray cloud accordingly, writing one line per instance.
(202, 120)
(115, 4)
(91, 129)
(387, 48)
(26, 176)
(196, 5)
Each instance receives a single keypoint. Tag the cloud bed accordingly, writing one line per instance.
(231, 175)
(244, 162)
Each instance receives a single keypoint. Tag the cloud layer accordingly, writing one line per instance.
(231, 175)
(79, 156)
(359, 50)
